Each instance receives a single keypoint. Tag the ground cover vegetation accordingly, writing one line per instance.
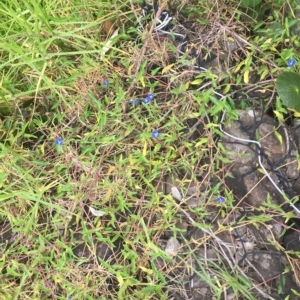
(106, 126)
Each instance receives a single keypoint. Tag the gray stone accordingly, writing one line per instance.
(240, 231)
(204, 254)
(291, 241)
(267, 265)
(292, 171)
(267, 138)
(196, 234)
(249, 179)
(265, 233)
(202, 293)
(195, 201)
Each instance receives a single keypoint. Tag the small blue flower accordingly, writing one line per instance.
(155, 134)
(69, 298)
(220, 200)
(105, 82)
(291, 62)
(59, 141)
(134, 102)
(148, 98)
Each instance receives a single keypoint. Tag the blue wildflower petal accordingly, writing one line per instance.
(220, 199)
(155, 134)
(150, 96)
(134, 102)
(291, 62)
(105, 82)
(59, 141)
(146, 100)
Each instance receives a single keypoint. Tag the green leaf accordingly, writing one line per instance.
(288, 88)
(295, 292)
(197, 81)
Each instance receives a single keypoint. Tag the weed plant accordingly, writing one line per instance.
(93, 114)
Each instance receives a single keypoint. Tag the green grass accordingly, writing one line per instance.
(53, 63)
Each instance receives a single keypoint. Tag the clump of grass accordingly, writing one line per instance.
(64, 77)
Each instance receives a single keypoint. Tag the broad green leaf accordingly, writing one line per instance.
(288, 88)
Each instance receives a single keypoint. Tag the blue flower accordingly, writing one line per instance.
(291, 62)
(59, 141)
(155, 134)
(105, 82)
(220, 199)
(148, 98)
(134, 102)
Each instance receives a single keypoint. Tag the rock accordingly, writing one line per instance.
(240, 232)
(195, 233)
(249, 180)
(265, 233)
(176, 194)
(202, 293)
(172, 247)
(244, 128)
(237, 185)
(291, 241)
(259, 189)
(247, 246)
(206, 254)
(199, 283)
(195, 201)
(292, 171)
(192, 190)
(267, 265)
